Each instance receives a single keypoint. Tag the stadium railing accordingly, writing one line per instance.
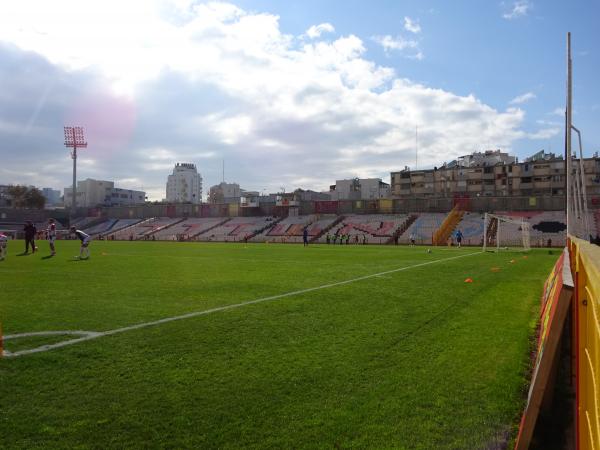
(585, 265)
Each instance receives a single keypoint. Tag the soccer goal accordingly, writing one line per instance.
(503, 232)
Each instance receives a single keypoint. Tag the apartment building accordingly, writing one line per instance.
(542, 176)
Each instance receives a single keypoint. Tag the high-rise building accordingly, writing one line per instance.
(185, 184)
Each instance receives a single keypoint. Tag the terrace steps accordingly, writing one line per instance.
(327, 228)
(402, 228)
(265, 228)
(192, 237)
(169, 225)
(121, 230)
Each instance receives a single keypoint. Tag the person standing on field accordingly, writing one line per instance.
(51, 236)
(85, 242)
(305, 236)
(30, 232)
(3, 245)
(459, 237)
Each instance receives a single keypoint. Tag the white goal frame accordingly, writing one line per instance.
(523, 225)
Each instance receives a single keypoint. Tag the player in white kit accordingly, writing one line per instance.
(85, 242)
(51, 236)
(3, 245)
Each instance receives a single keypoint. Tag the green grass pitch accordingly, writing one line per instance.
(408, 359)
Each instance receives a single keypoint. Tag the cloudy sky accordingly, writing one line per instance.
(289, 94)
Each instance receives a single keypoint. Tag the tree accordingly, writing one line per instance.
(17, 194)
(35, 199)
(26, 197)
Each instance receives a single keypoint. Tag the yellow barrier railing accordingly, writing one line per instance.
(585, 264)
(441, 235)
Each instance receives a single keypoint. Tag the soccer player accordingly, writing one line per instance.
(3, 245)
(30, 231)
(459, 237)
(85, 242)
(305, 236)
(51, 236)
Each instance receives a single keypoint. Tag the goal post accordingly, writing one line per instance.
(501, 232)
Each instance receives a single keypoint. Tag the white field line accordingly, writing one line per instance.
(98, 334)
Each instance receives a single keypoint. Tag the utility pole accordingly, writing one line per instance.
(568, 124)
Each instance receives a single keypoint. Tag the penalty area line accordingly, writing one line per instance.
(89, 335)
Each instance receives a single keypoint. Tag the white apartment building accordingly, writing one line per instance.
(91, 193)
(359, 189)
(184, 185)
(224, 193)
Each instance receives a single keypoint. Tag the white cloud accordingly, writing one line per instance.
(547, 123)
(398, 43)
(524, 98)
(210, 81)
(519, 8)
(411, 25)
(545, 133)
(316, 30)
(557, 112)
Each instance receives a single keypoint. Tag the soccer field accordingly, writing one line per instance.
(292, 347)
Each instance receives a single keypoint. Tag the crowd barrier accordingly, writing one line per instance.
(585, 266)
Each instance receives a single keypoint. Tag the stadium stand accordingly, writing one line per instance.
(84, 222)
(471, 226)
(236, 229)
(144, 229)
(547, 228)
(423, 228)
(186, 229)
(377, 228)
(100, 228)
(291, 229)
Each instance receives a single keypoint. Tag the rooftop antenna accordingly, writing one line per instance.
(223, 170)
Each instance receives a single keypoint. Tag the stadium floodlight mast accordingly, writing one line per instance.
(74, 139)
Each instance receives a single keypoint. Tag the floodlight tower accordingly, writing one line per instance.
(74, 139)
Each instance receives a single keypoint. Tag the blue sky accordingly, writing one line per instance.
(293, 94)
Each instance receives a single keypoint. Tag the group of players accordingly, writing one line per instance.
(30, 232)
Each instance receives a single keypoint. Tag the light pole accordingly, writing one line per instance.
(74, 139)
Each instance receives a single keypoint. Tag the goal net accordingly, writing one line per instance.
(502, 232)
